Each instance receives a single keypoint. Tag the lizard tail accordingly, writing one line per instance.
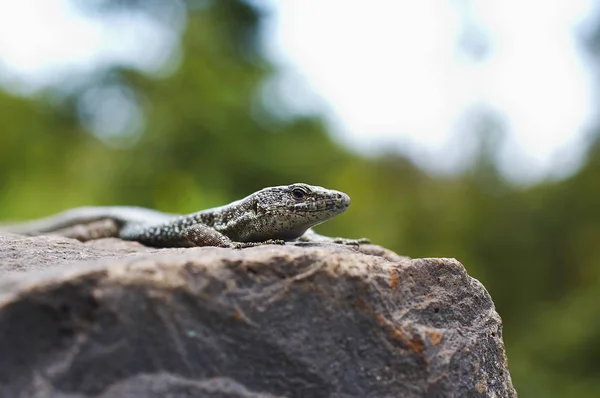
(65, 219)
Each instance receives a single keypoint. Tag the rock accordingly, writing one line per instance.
(110, 318)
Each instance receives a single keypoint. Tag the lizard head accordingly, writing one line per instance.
(286, 212)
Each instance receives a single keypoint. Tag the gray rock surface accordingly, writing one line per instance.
(110, 318)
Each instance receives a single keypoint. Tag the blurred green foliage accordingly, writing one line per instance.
(208, 139)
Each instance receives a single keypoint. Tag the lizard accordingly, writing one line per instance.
(271, 215)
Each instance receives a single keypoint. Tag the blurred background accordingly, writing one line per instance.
(460, 129)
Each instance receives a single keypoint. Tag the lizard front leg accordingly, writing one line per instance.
(311, 236)
(202, 235)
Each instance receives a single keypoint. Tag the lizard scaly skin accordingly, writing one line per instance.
(271, 215)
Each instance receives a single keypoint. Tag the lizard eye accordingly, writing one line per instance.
(298, 193)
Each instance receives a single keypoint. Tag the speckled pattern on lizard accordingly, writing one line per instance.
(272, 215)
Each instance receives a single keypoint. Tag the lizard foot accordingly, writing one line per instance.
(274, 242)
(241, 245)
(353, 242)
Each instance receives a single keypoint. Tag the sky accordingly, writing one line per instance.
(386, 74)
(394, 73)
